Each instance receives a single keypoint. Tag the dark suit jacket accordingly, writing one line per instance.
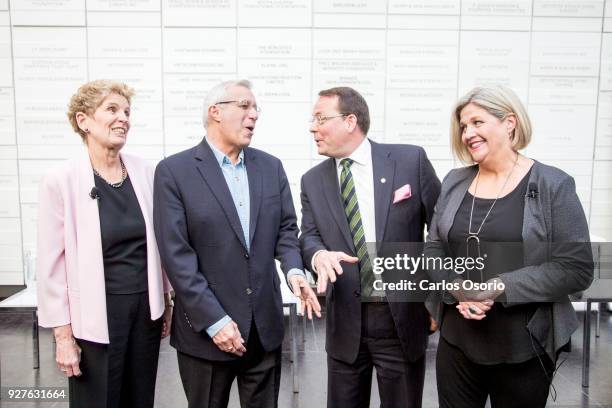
(202, 247)
(324, 226)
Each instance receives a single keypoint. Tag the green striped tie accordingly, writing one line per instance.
(351, 209)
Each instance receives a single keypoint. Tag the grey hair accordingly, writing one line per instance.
(218, 93)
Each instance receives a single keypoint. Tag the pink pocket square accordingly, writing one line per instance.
(402, 193)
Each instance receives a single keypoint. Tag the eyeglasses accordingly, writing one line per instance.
(322, 119)
(244, 104)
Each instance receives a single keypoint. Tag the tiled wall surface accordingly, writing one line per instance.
(410, 58)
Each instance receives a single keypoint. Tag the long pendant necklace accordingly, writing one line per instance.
(119, 183)
(474, 235)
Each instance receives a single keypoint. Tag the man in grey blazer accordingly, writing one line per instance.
(223, 211)
(365, 192)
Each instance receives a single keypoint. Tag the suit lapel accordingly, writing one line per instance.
(88, 215)
(331, 190)
(383, 169)
(213, 176)
(454, 201)
(89, 258)
(255, 185)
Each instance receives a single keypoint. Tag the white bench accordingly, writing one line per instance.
(25, 301)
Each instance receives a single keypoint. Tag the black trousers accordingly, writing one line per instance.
(400, 382)
(465, 384)
(123, 372)
(207, 383)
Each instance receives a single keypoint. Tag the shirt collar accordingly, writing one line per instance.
(222, 158)
(362, 155)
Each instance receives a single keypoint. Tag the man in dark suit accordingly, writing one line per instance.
(365, 192)
(223, 212)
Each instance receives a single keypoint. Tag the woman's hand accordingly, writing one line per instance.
(474, 310)
(67, 351)
(465, 295)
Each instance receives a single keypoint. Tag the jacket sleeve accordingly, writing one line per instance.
(310, 239)
(52, 286)
(430, 187)
(150, 172)
(434, 246)
(166, 282)
(287, 245)
(569, 267)
(179, 259)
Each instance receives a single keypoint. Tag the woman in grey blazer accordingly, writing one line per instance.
(524, 220)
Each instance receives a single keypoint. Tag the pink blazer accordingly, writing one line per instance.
(70, 269)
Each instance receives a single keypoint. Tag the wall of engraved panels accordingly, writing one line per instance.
(410, 58)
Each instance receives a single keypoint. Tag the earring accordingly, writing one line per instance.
(86, 130)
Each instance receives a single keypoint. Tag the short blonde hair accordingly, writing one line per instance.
(90, 96)
(500, 102)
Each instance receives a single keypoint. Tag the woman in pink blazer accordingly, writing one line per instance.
(100, 282)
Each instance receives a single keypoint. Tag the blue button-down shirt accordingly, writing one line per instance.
(238, 184)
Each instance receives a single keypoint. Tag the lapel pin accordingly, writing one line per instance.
(383, 180)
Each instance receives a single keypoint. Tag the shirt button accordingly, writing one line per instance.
(246, 256)
(248, 291)
(357, 293)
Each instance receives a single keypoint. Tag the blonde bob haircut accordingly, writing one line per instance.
(90, 96)
(498, 101)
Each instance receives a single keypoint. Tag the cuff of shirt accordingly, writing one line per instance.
(214, 329)
(312, 261)
(292, 272)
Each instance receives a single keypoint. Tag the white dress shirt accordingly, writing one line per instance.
(363, 178)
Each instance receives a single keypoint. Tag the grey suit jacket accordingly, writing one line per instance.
(555, 215)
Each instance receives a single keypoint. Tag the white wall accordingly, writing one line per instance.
(410, 58)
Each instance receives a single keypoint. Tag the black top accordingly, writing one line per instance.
(124, 238)
(502, 336)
